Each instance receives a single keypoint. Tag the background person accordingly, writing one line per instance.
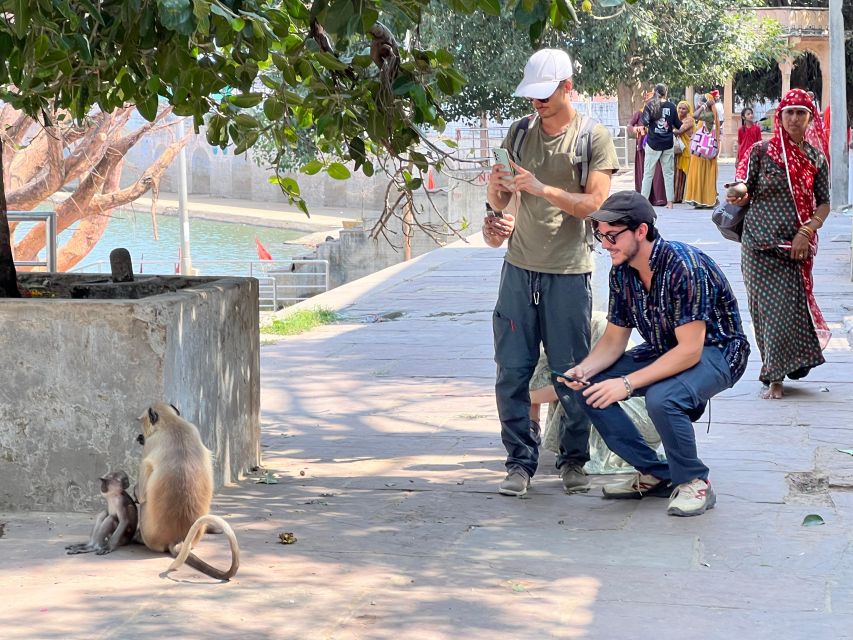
(748, 134)
(788, 194)
(701, 189)
(545, 289)
(680, 302)
(657, 195)
(682, 160)
(660, 120)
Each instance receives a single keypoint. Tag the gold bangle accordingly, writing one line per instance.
(808, 232)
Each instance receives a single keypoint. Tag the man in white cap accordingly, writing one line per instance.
(545, 290)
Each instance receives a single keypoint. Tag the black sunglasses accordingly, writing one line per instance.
(609, 236)
(541, 100)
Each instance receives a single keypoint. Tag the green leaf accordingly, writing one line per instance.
(147, 107)
(237, 24)
(338, 171)
(245, 100)
(812, 520)
(177, 15)
(273, 108)
(312, 167)
(329, 61)
(290, 186)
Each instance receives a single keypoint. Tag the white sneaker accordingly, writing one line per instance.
(636, 487)
(692, 498)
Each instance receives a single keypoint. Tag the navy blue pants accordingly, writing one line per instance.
(552, 310)
(673, 404)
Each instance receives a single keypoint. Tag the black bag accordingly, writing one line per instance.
(729, 220)
(729, 217)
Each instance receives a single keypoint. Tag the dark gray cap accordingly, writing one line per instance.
(623, 206)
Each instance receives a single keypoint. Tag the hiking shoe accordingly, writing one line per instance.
(692, 498)
(636, 487)
(574, 478)
(515, 483)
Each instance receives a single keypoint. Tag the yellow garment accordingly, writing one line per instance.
(701, 186)
(701, 189)
(682, 162)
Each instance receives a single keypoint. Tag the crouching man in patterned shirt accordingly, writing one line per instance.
(682, 305)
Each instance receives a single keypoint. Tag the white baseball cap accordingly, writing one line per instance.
(543, 73)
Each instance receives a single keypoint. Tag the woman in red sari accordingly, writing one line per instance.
(748, 134)
(787, 182)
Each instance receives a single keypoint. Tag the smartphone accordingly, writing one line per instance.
(501, 156)
(491, 213)
(560, 374)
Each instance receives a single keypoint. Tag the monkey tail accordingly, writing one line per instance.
(183, 553)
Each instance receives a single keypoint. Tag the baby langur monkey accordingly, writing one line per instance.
(175, 489)
(116, 525)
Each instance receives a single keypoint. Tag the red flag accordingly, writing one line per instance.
(430, 180)
(263, 254)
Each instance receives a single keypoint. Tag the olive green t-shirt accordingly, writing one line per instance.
(545, 239)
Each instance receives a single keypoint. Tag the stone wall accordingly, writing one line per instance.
(80, 372)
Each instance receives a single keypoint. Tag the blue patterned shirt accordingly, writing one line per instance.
(686, 286)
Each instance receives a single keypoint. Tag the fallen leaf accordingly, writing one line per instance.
(287, 537)
(812, 520)
(269, 478)
(849, 452)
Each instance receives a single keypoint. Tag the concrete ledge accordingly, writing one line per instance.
(81, 371)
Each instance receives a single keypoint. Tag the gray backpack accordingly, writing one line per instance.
(582, 155)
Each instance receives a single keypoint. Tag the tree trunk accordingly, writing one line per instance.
(8, 275)
(630, 96)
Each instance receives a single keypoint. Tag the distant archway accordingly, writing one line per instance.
(807, 74)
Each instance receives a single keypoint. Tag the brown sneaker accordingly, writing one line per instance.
(515, 483)
(574, 478)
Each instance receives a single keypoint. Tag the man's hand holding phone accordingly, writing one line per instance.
(502, 174)
(573, 378)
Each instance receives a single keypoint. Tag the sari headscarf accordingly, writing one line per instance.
(688, 105)
(800, 173)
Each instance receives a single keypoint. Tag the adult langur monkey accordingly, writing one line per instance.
(175, 489)
(116, 525)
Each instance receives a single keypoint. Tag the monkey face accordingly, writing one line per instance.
(151, 418)
(114, 482)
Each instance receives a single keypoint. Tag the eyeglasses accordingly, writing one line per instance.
(610, 236)
(545, 100)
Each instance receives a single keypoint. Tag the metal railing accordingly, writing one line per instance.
(49, 219)
(280, 282)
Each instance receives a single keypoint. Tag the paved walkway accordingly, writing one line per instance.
(384, 439)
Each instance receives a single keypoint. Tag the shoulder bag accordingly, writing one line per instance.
(704, 144)
(729, 217)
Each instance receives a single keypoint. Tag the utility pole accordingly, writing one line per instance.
(183, 214)
(838, 106)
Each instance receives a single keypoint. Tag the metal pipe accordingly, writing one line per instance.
(183, 214)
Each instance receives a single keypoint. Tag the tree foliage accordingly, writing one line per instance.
(343, 71)
(687, 43)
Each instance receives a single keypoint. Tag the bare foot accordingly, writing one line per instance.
(773, 391)
(669, 205)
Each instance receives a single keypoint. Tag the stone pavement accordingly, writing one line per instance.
(382, 433)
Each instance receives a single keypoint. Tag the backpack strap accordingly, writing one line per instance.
(583, 148)
(518, 131)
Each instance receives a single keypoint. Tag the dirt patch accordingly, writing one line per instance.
(807, 486)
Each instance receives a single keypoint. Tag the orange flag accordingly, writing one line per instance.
(263, 254)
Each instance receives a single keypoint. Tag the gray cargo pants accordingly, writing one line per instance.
(554, 310)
